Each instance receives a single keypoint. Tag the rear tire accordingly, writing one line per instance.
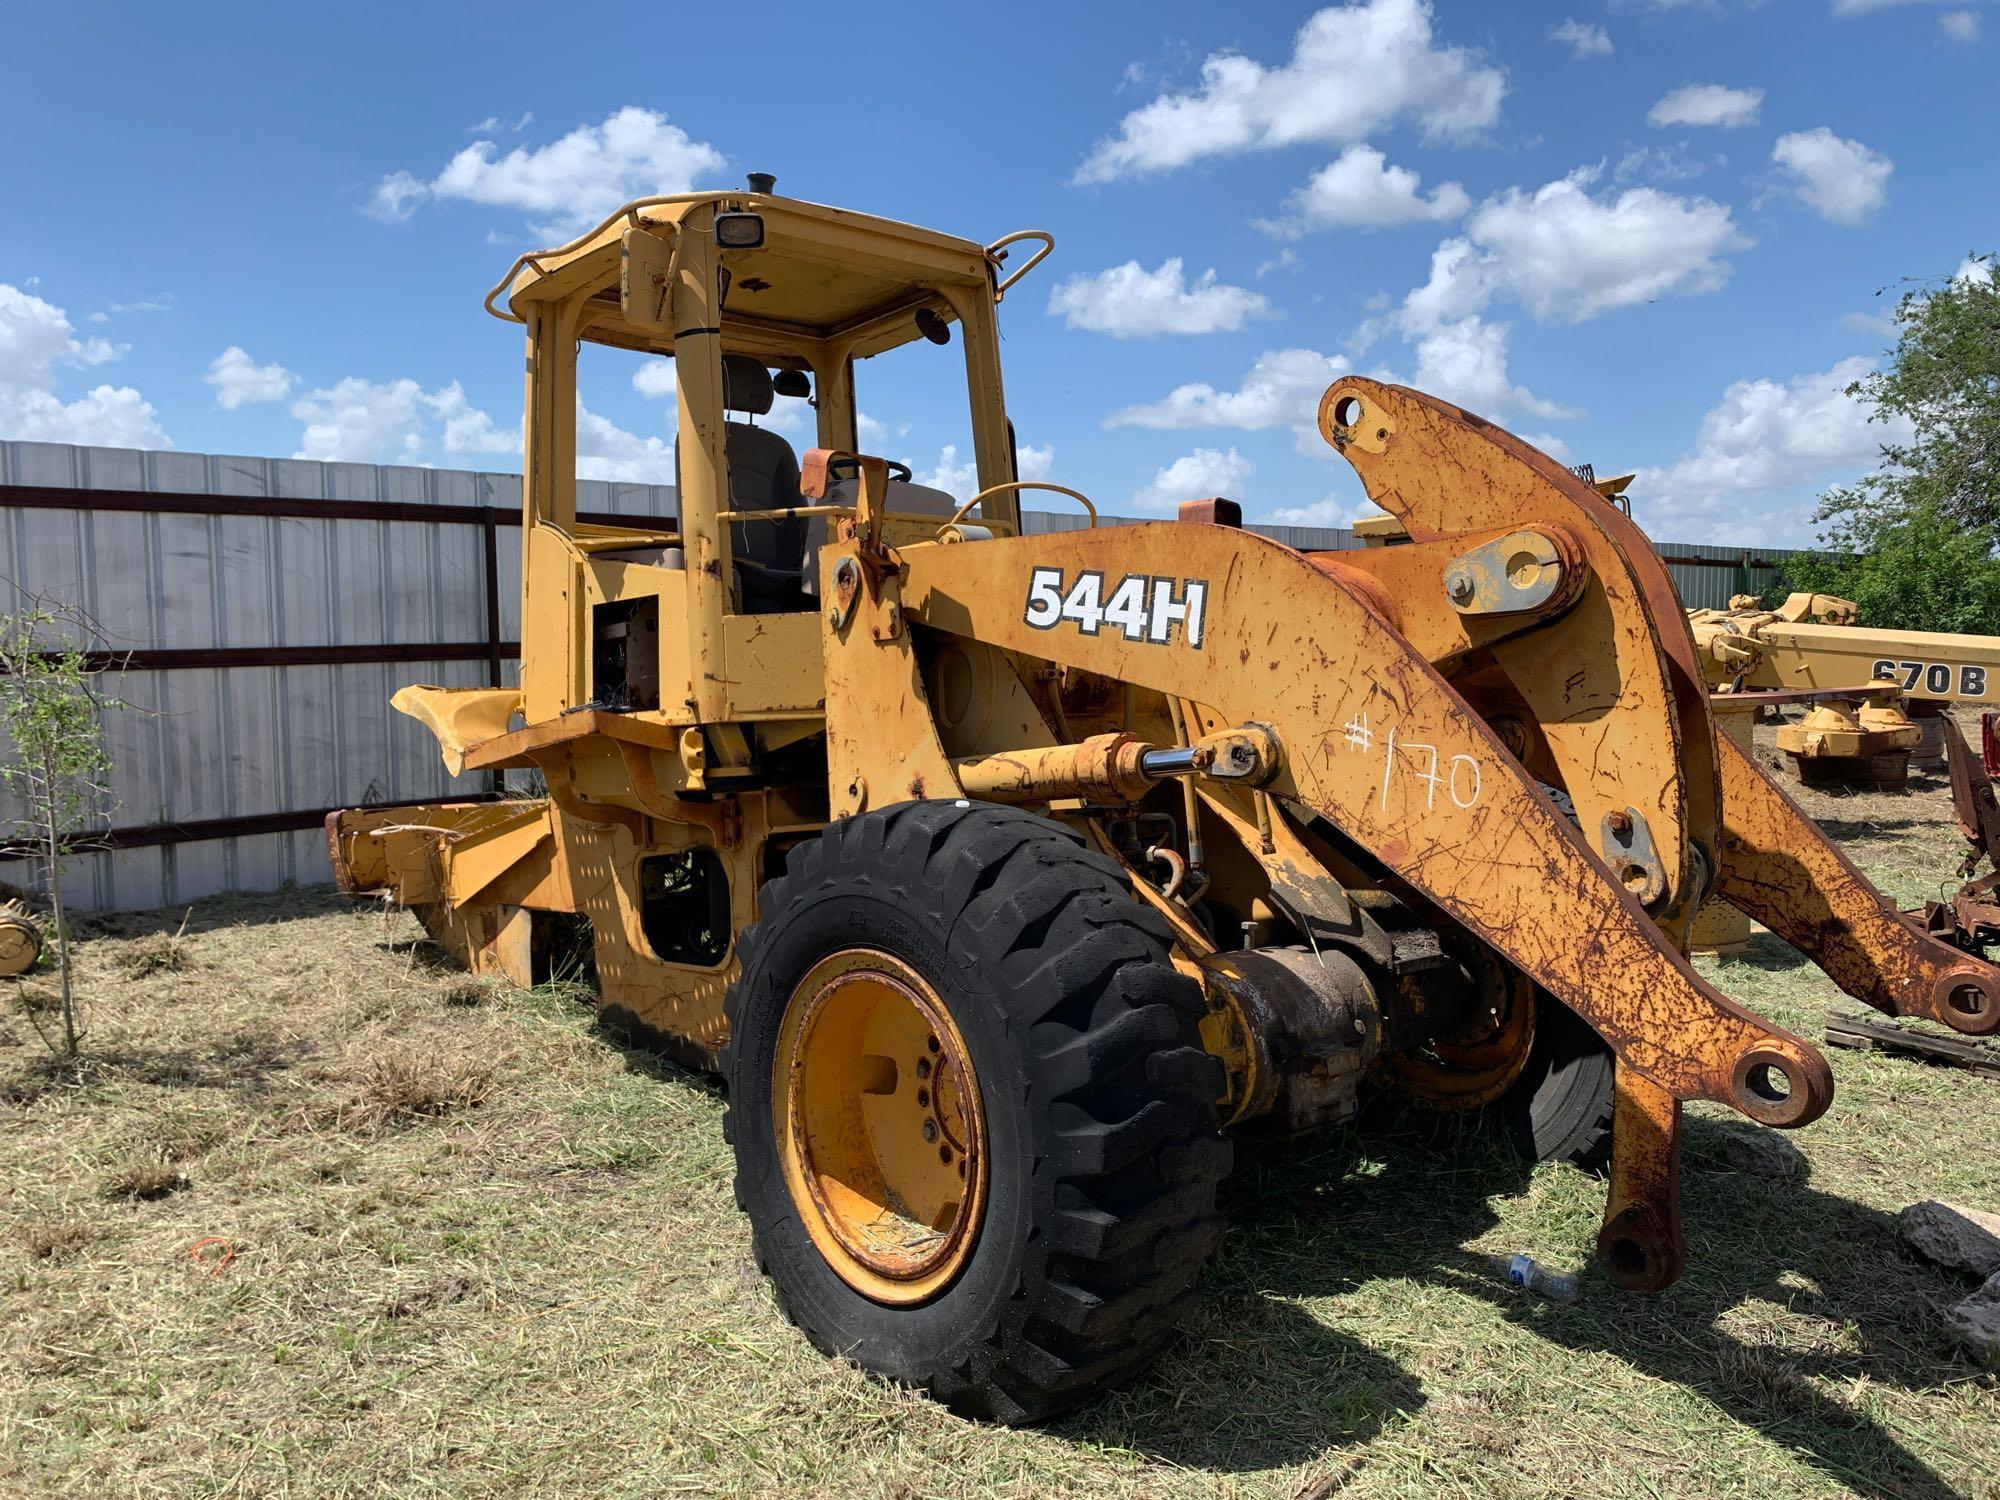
(1096, 1104)
(1559, 1109)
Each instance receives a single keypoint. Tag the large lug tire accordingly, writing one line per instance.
(1088, 1124)
(1559, 1109)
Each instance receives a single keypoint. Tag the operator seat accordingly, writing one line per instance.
(763, 475)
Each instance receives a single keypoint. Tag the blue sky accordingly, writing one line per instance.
(1645, 235)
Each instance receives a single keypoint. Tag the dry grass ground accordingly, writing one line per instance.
(481, 1249)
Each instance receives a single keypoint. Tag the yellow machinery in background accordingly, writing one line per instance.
(1854, 681)
(998, 874)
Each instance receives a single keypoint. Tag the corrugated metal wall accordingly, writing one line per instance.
(217, 742)
(229, 741)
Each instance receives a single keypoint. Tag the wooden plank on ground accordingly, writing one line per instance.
(1864, 1032)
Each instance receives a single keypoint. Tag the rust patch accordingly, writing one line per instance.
(1215, 511)
(343, 873)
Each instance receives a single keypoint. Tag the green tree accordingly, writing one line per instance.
(1917, 539)
(56, 767)
(1917, 571)
(1942, 380)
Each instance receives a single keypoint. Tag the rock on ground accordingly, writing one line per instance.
(1975, 1323)
(1952, 1236)
(1742, 1147)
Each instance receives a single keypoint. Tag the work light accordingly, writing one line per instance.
(739, 231)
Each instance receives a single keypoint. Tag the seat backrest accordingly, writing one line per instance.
(763, 469)
(764, 475)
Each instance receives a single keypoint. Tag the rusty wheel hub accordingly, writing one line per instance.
(1471, 1071)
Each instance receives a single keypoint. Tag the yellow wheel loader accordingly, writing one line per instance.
(1000, 875)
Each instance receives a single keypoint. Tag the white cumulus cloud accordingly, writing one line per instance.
(1033, 462)
(396, 196)
(961, 477)
(1881, 324)
(1707, 105)
(397, 422)
(655, 380)
(239, 380)
(1465, 362)
(1282, 389)
(1583, 39)
(1779, 441)
(1199, 475)
(1840, 180)
(1131, 302)
(1360, 190)
(604, 450)
(570, 183)
(1959, 26)
(363, 421)
(1565, 255)
(1333, 511)
(466, 428)
(1354, 69)
(1568, 256)
(951, 474)
(875, 435)
(37, 339)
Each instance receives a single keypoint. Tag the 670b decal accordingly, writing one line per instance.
(1935, 679)
(1142, 606)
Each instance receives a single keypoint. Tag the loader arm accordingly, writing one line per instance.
(1378, 672)
(1619, 716)
(1780, 869)
(1376, 741)
(1604, 662)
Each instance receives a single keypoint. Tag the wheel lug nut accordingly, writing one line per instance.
(930, 1130)
(923, 1067)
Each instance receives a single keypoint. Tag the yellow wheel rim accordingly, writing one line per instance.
(1471, 1073)
(879, 1124)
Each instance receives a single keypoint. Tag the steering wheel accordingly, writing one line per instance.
(898, 471)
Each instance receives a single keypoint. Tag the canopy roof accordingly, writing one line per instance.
(821, 274)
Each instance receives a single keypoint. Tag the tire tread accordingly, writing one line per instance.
(1128, 1154)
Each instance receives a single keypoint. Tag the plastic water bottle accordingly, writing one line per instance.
(1524, 1274)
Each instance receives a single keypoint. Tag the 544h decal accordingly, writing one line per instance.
(1141, 606)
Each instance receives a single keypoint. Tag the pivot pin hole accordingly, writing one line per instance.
(1628, 1257)
(1769, 1083)
(1968, 1000)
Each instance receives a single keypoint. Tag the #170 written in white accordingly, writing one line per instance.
(1459, 776)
